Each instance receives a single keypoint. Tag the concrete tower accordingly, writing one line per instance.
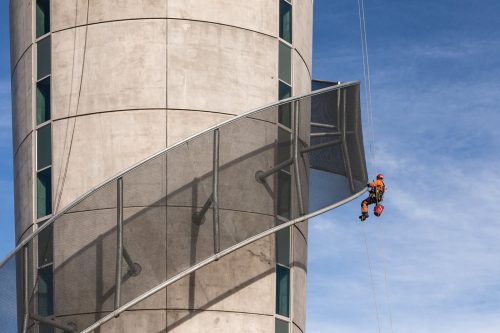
(99, 85)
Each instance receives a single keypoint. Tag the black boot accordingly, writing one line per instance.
(363, 216)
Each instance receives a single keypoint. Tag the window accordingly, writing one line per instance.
(43, 58)
(284, 177)
(44, 149)
(284, 114)
(284, 145)
(286, 21)
(45, 291)
(45, 246)
(281, 326)
(283, 247)
(43, 101)
(285, 63)
(42, 17)
(284, 193)
(282, 291)
(44, 193)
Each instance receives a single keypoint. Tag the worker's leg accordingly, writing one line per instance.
(364, 206)
(364, 209)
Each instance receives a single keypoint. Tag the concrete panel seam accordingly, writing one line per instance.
(169, 309)
(164, 19)
(13, 69)
(173, 206)
(23, 233)
(301, 233)
(16, 150)
(307, 67)
(221, 311)
(298, 327)
(107, 111)
(154, 109)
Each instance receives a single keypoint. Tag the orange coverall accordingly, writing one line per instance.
(378, 186)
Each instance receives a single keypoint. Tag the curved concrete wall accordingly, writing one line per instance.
(130, 78)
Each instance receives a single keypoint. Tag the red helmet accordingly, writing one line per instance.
(380, 176)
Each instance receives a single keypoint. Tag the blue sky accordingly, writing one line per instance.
(6, 173)
(435, 252)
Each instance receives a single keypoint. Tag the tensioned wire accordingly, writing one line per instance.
(64, 169)
(369, 109)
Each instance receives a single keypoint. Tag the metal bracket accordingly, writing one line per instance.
(134, 269)
(197, 217)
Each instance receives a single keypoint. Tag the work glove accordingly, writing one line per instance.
(368, 185)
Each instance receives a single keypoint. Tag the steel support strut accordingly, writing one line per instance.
(320, 146)
(345, 150)
(215, 192)
(119, 241)
(261, 175)
(54, 323)
(295, 110)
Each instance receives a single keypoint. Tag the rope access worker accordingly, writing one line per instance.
(377, 189)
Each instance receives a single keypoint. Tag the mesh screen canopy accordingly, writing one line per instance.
(176, 209)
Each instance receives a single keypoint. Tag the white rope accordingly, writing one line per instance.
(367, 79)
(371, 278)
(384, 261)
(369, 111)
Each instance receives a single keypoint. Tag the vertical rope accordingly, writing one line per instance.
(65, 172)
(367, 78)
(371, 278)
(384, 261)
(373, 162)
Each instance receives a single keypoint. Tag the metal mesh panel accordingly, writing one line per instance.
(8, 303)
(246, 206)
(200, 197)
(337, 166)
(189, 188)
(84, 258)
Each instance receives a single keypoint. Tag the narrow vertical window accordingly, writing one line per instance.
(286, 21)
(43, 101)
(44, 147)
(42, 17)
(43, 58)
(45, 291)
(45, 246)
(281, 326)
(284, 114)
(283, 247)
(282, 290)
(285, 63)
(284, 145)
(284, 193)
(44, 193)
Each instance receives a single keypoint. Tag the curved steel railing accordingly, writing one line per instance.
(201, 198)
